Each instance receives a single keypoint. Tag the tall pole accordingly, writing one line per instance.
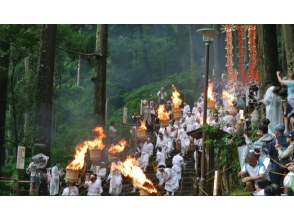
(202, 180)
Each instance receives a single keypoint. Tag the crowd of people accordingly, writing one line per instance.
(235, 106)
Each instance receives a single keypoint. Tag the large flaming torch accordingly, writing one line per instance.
(210, 98)
(163, 116)
(73, 169)
(141, 130)
(130, 168)
(116, 148)
(95, 146)
(176, 102)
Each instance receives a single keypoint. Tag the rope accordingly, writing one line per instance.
(223, 171)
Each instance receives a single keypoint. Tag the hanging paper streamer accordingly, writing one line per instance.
(229, 28)
(241, 53)
(253, 73)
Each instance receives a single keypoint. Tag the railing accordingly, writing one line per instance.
(16, 189)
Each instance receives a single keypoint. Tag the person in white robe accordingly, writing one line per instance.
(274, 109)
(94, 185)
(115, 186)
(184, 138)
(147, 110)
(70, 190)
(169, 178)
(268, 97)
(160, 158)
(186, 109)
(162, 142)
(55, 176)
(178, 164)
(146, 153)
(189, 121)
(195, 109)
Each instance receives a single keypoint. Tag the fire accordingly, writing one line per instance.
(81, 150)
(78, 162)
(176, 99)
(97, 143)
(241, 112)
(163, 115)
(228, 97)
(117, 148)
(142, 126)
(130, 168)
(209, 91)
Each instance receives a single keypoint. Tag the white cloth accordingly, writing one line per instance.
(112, 131)
(186, 109)
(275, 112)
(94, 188)
(178, 162)
(115, 177)
(54, 183)
(70, 191)
(185, 141)
(170, 178)
(160, 157)
(32, 168)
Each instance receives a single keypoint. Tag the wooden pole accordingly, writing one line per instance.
(215, 184)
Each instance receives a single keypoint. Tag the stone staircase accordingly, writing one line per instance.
(187, 184)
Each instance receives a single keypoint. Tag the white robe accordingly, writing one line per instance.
(160, 158)
(185, 141)
(170, 178)
(94, 188)
(178, 162)
(54, 183)
(115, 177)
(275, 113)
(70, 191)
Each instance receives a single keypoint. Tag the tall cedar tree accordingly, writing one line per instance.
(44, 90)
(100, 81)
(4, 65)
(267, 52)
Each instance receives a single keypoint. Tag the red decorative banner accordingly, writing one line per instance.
(253, 73)
(229, 28)
(241, 53)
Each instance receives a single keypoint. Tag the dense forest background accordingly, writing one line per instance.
(140, 60)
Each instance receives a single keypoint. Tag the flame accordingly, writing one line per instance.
(117, 148)
(208, 120)
(176, 99)
(142, 126)
(78, 162)
(228, 97)
(163, 115)
(209, 91)
(130, 168)
(97, 143)
(81, 150)
(241, 112)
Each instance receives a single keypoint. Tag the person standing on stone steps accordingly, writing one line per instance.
(169, 178)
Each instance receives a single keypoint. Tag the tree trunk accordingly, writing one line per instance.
(100, 82)
(191, 46)
(44, 90)
(219, 55)
(267, 53)
(288, 36)
(4, 65)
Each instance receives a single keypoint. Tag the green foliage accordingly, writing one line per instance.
(185, 83)
(227, 154)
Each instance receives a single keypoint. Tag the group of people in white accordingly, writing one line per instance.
(266, 160)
